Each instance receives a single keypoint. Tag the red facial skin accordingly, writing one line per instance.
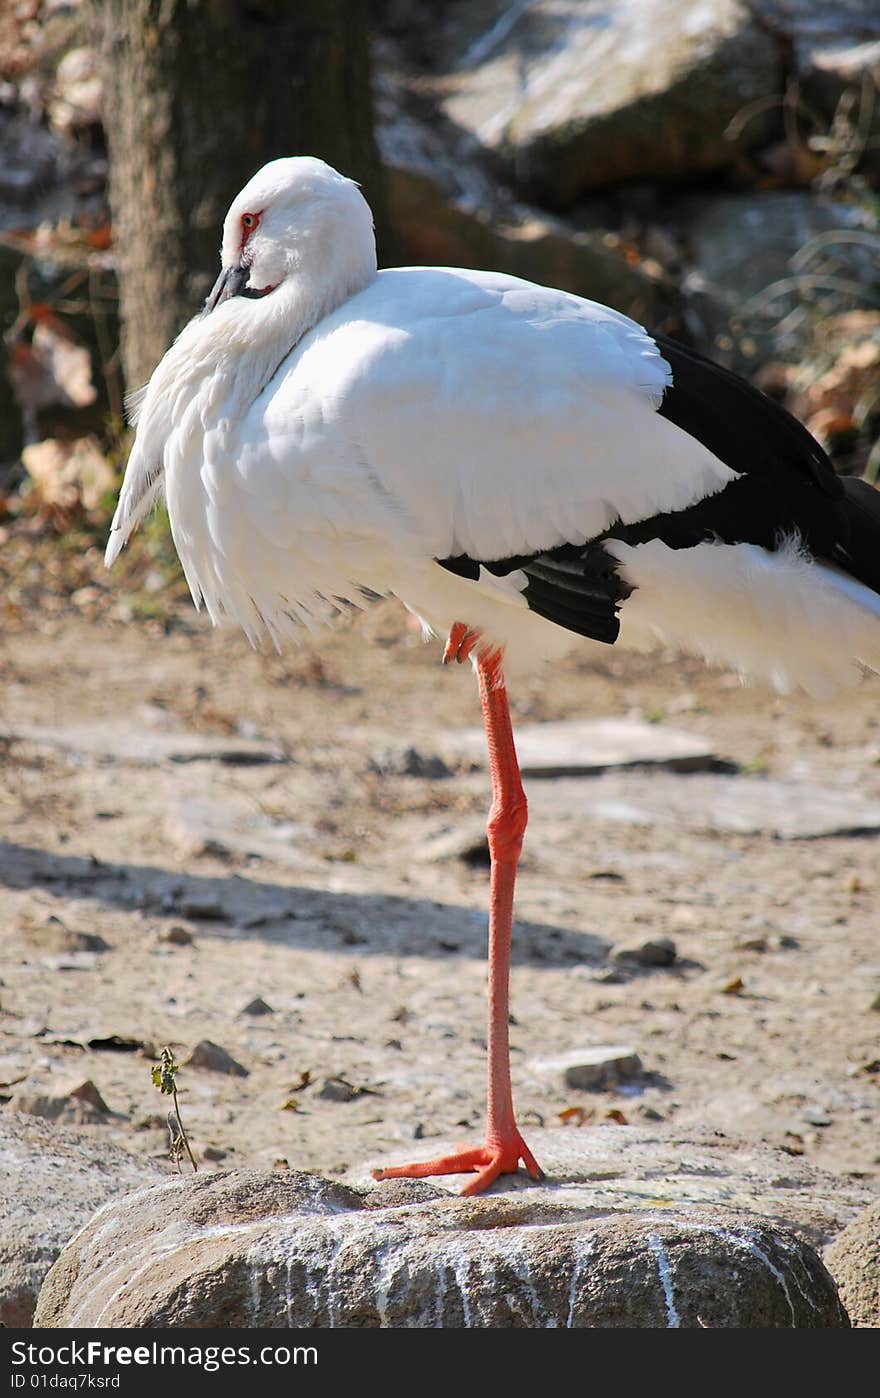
(249, 224)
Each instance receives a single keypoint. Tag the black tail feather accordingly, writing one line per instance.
(860, 556)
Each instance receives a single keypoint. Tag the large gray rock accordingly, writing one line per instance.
(446, 211)
(785, 808)
(250, 1249)
(578, 94)
(749, 270)
(144, 744)
(835, 48)
(580, 747)
(854, 1261)
(816, 21)
(626, 1169)
(589, 1069)
(833, 71)
(51, 1181)
(79, 1104)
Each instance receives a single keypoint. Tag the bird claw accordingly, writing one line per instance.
(460, 643)
(489, 1161)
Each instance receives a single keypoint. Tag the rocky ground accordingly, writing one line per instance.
(277, 855)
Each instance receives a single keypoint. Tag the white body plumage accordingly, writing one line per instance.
(339, 429)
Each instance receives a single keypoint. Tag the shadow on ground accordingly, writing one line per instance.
(240, 908)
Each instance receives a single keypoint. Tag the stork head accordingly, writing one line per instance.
(296, 221)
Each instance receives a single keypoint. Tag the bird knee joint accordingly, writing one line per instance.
(506, 827)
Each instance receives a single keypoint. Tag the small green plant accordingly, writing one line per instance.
(164, 1075)
(655, 715)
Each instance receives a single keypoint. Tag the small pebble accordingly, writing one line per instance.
(735, 986)
(257, 1006)
(176, 935)
(752, 944)
(338, 1090)
(80, 1104)
(54, 936)
(609, 975)
(650, 1113)
(655, 951)
(121, 1043)
(591, 1069)
(211, 1056)
(409, 762)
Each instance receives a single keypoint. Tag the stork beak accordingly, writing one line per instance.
(231, 282)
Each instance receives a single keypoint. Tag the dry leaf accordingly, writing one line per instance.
(576, 1116)
(69, 475)
(78, 96)
(100, 237)
(52, 370)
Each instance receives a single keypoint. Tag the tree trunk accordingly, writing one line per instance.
(199, 94)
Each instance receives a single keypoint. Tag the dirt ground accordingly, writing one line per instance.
(316, 881)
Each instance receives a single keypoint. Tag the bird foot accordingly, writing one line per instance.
(489, 1161)
(460, 643)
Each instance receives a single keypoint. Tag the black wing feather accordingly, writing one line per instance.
(786, 486)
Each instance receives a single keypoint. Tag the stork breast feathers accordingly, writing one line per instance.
(439, 397)
(435, 412)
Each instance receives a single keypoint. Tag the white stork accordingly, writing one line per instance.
(517, 465)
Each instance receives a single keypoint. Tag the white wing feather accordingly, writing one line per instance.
(440, 412)
(435, 413)
(482, 414)
(499, 416)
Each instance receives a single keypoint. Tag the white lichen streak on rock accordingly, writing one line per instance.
(796, 1258)
(474, 1260)
(387, 1270)
(774, 1271)
(179, 1243)
(748, 1244)
(521, 1263)
(320, 1244)
(315, 1244)
(117, 1278)
(584, 1249)
(441, 1297)
(308, 1238)
(111, 1204)
(434, 1263)
(460, 1268)
(288, 1292)
(665, 1274)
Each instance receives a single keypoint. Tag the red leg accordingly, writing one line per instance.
(504, 1147)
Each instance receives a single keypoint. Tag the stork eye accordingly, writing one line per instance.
(249, 222)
